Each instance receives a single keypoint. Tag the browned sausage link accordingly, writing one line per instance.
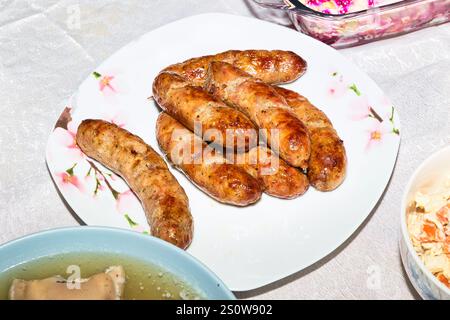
(164, 200)
(262, 104)
(276, 66)
(224, 182)
(192, 106)
(277, 177)
(328, 161)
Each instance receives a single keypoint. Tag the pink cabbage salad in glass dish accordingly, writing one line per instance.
(344, 6)
(345, 23)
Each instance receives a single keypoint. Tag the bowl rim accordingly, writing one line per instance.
(166, 245)
(404, 229)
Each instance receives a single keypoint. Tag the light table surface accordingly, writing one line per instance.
(47, 47)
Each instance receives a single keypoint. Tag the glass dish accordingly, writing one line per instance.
(346, 30)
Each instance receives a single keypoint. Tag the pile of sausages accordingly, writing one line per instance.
(234, 91)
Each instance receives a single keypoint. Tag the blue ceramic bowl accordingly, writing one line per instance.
(115, 241)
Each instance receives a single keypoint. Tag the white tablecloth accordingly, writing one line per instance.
(47, 47)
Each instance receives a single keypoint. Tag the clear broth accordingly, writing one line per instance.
(144, 281)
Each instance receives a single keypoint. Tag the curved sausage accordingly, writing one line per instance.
(276, 66)
(164, 200)
(328, 161)
(194, 107)
(285, 133)
(222, 181)
(277, 177)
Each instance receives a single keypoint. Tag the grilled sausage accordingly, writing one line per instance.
(164, 200)
(209, 170)
(275, 175)
(192, 106)
(328, 161)
(265, 107)
(273, 67)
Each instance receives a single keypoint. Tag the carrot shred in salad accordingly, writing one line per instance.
(429, 230)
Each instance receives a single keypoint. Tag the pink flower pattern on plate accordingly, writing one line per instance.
(118, 119)
(134, 225)
(101, 182)
(69, 179)
(104, 82)
(380, 125)
(377, 132)
(337, 87)
(359, 109)
(128, 203)
(67, 139)
(125, 201)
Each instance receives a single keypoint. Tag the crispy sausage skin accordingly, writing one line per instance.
(277, 177)
(265, 107)
(328, 161)
(164, 200)
(210, 171)
(193, 106)
(272, 67)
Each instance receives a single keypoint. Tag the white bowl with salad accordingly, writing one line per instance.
(425, 228)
